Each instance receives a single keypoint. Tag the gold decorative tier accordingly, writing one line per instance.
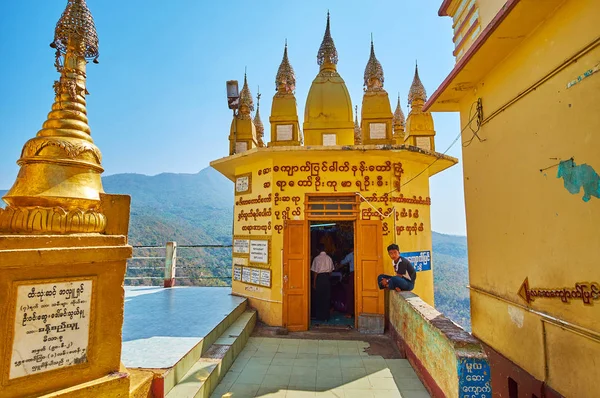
(58, 186)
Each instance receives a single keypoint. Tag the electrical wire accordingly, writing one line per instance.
(478, 115)
(478, 121)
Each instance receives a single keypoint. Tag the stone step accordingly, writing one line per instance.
(140, 383)
(204, 376)
(164, 381)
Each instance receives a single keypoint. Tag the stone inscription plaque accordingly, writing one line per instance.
(284, 132)
(259, 251)
(51, 328)
(377, 131)
(424, 143)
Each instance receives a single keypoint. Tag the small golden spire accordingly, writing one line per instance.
(327, 55)
(357, 131)
(285, 81)
(398, 119)
(58, 187)
(373, 71)
(260, 128)
(246, 102)
(417, 90)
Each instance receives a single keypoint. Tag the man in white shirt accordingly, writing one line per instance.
(322, 266)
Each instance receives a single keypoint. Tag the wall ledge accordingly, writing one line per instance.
(449, 361)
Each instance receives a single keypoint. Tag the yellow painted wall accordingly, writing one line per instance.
(523, 223)
(288, 176)
(488, 9)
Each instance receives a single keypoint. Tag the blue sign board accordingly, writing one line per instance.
(420, 260)
(474, 379)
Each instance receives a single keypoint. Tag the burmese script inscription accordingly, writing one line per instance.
(51, 329)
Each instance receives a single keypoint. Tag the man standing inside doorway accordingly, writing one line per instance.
(405, 272)
(349, 285)
(322, 266)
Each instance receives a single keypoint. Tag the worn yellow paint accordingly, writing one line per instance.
(262, 164)
(101, 258)
(521, 221)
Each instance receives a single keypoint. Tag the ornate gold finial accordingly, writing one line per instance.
(57, 190)
(417, 90)
(398, 120)
(246, 102)
(327, 55)
(373, 72)
(260, 128)
(76, 24)
(285, 81)
(357, 131)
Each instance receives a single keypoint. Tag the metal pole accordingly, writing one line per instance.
(234, 150)
(170, 263)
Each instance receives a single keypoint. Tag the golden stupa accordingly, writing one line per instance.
(285, 129)
(419, 131)
(328, 110)
(58, 186)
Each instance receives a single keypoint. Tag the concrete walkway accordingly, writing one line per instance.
(282, 367)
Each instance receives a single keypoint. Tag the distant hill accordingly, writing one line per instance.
(187, 208)
(194, 209)
(451, 277)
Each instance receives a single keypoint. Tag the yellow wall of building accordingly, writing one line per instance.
(523, 222)
(286, 178)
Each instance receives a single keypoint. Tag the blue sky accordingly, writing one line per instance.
(157, 99)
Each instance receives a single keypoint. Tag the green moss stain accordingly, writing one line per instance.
(577, 177)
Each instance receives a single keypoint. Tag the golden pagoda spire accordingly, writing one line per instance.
(398, 120)
(58, 186)
(373, 72)
(327, 57)
(246, 102)
(419, 128)
(357, 132)
(260, 128)
(417, 90)
(285, 81)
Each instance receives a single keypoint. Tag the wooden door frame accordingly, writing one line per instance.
(285, 267)
(355, 217)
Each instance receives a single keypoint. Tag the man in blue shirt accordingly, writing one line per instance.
(349, 287)
(405, 272)
(349, 259)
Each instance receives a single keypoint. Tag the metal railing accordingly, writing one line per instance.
(167, 271)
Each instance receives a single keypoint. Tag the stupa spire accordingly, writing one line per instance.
(327, 57)
(417, 90)
(373, 78)
(246, 102)
(260, 128)
(285, 81)
(357, 131)
(58, 187)
(398, 120)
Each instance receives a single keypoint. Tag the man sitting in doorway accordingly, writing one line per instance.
(322, 266)
(405, 272)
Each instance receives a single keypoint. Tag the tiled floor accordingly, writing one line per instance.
(275, 367)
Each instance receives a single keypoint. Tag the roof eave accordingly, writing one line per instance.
(511, 25)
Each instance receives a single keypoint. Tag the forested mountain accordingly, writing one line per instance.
(451, 277)
(197, 209)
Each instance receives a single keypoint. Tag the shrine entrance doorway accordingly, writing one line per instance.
(340, 214)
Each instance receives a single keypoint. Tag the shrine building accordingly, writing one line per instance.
(332, 181)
